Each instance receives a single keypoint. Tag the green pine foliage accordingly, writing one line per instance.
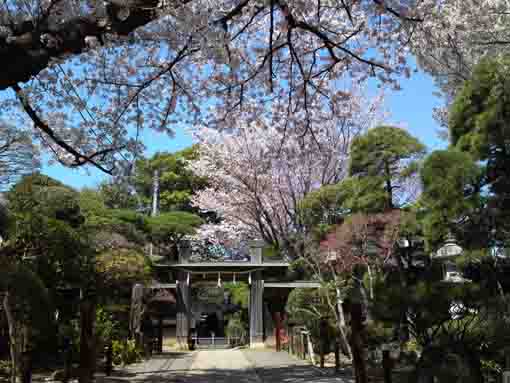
(388, 156)
(177, 182)
(452, 184)
(478, 123)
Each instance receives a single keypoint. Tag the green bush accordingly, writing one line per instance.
(236, 327)
(106, 328)
(125, 352)
(490, 367)
(5, 367)
(378, 333)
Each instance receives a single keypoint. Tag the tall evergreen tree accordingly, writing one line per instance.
(479, 123)
(388, 157)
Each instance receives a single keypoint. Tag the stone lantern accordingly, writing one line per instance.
(446, 255)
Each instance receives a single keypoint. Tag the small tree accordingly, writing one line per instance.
(362, 242)
(45, 239)
(177, 182)
(168, 229)
(388, 156)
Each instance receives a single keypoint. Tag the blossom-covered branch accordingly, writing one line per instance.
(101, 72)
(259, 172)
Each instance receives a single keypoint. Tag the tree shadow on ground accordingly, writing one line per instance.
(280, 374)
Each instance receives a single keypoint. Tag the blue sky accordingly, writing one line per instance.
(412, 106)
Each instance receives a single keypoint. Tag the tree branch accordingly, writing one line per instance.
(80, 158)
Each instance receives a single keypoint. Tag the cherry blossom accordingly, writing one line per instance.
(111, 69)
(260, 170)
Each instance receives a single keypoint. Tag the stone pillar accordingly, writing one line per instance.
(183, 318)
(256, 310)
(184, 252)
(256, 251)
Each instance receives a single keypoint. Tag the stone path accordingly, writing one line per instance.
(223, 366)
(280, 367)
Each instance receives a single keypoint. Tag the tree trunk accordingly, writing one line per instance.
(16, 339)
(359, 315)
(87, 340)
(346, 348)
(135, 316)
(370, 283)
(358, 351)
(403, 325)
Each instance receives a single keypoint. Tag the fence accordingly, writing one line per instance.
(217, 342)
(297, 344)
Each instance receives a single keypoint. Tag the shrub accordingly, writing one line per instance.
(106, 328)
(235, 327)
(125, 352)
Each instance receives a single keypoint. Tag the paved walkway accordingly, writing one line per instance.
(280, 367)
(224, 366)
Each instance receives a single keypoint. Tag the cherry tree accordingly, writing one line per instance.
(455, 36)
(91, 75)
(260, 171)
(18, 154)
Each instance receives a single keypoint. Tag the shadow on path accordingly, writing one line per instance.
(229, 366)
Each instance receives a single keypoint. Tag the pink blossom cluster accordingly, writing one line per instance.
(261, 170)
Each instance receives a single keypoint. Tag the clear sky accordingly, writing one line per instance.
(412, 107)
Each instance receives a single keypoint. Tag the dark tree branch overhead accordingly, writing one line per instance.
(32, 42)
(27, 48)
(79, 158)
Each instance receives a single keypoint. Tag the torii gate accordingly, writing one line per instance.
(263, 276)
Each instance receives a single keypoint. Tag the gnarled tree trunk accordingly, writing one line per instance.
(346, 348)
(18, 339)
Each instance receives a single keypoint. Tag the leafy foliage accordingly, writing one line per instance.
(330, 204)
(236, 327)
(478, 122)
(126, 352)
(18, 154)
(105, 325)
(30, 300)
(452, 195)
(177, 182)
(47, 217)
(239, 293)
(117, 195)
(119, 269)
(172, 226)
(390, 157)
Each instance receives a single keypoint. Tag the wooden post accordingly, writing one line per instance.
(109, 359)
(278, 330)
(337, 356)
(68, 358)
(26, 360)
(160, 334)
(387, 366)
(302, 344)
